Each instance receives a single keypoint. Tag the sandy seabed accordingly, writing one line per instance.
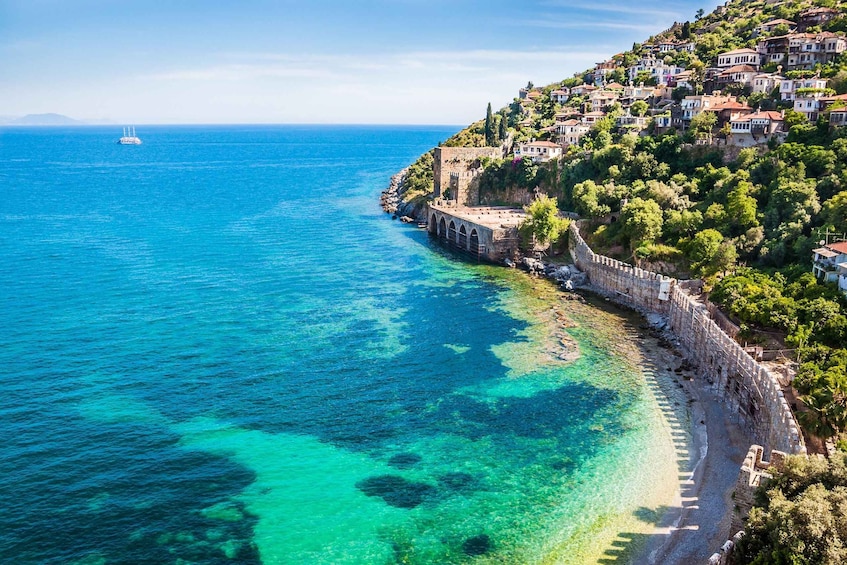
(694, 513)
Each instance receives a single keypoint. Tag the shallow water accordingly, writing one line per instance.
(215, 347)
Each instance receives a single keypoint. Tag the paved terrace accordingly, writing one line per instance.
(492, 217)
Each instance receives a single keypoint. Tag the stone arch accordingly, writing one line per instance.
(474, 241)
(463, 237)
(442, 228)
(433, 224)
(451, 232)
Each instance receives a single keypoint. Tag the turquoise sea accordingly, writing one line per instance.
(215, 348)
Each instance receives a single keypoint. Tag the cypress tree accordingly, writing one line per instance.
(504, 131)
(489, 126)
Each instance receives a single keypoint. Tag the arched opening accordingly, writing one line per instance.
(474, 246)
(463, 237)
(451, 232)
(442, 228)
(433, 224)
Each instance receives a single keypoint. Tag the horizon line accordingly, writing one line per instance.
(326, 124)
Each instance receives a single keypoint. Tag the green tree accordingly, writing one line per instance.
(639, 108)
(793, 118)
(835, 211)
(799, 517)
(703, 122)
(642, 221)
(504, 129)
(698, 14)
(542, 224)
(586, 200)
(707, 256)
(741, 207)
(489, 127)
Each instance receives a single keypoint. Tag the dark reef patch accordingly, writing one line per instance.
(405, 460)
(458, 481)
(477, 545)
(396, 491)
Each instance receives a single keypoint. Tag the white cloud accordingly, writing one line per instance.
(617, 8)
(438, 86)
(554, 23)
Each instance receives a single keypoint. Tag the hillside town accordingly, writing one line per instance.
(680, 83)
(748, 91)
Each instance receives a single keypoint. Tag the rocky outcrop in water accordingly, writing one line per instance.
(391, 197)
(392, 200)
(568, 276)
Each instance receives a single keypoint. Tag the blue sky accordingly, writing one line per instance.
(262, 61)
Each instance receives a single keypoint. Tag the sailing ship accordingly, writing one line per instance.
(129, 137)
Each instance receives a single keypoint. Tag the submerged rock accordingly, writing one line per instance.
(477, 545)
(396, 491)
(457, 481)
(405, 460)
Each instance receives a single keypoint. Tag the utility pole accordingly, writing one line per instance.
(829, 237)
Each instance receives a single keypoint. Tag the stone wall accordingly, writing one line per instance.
(749, 389)
(724, 555)
(755, 471)
(455, 227)
(455, 168)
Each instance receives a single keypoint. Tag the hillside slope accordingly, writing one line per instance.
(715, 149)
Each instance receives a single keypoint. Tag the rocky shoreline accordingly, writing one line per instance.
(391, 199)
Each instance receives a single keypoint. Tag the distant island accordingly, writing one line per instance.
(49, 119)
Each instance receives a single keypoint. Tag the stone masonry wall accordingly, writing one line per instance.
(748, 388)
(455, 168)
(755, 472)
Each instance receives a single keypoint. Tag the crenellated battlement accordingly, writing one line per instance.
(751, 391)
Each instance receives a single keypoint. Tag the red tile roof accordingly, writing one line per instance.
(733, 105)
(740, 69)
(840, 247)
(538, 143)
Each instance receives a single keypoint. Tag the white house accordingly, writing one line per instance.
(788, 87)
(842, 277)
(634, 122)
(838, 117)
(685, 79)
(805, 50)
(539, 151)
(808, 104)
(582, 89)
(664, 74)
(560, 95)
(753, 129)
(766, 82)
(694, 105)
(738, 74)
(601, 98)
(771, 25)
(591, 118)
(827, 261)
(571, 131)
(665, 46)
(744, 56)
(663, 122)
